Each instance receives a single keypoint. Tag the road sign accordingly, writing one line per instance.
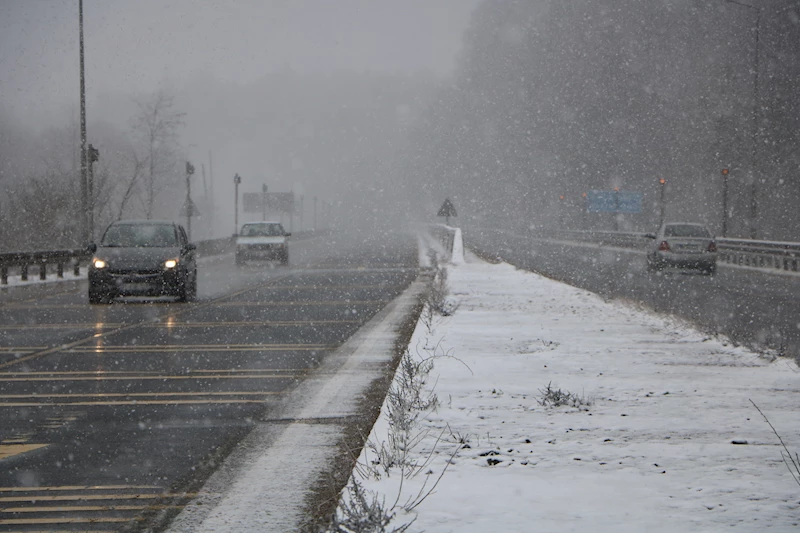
(447, 209)
(614, 202)
(629, 202)
(189, 209)
(281, 202)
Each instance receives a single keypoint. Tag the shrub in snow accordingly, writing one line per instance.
(551, 397)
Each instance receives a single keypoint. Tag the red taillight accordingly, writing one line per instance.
(663, 247)
(712, 247)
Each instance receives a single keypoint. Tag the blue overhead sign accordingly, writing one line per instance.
(613, 202)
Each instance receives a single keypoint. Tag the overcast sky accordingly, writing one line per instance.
(133, 46)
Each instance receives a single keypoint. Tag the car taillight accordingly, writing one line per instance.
(663, 247)
(712, 246)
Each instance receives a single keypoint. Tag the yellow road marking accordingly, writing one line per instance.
(132, 394)
(10, 450)
(93, 325)
(160, 378)
(171, 325)
(292, 303)
(184, 309)
(80, 487)
(85, 508)
(318, 287)
(151, 372)
(35, 521)
(129, 402)
(93, 497)
(160, 348)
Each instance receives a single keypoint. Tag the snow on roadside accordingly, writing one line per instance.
(654, 451)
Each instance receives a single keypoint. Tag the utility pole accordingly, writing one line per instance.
(753, 230)
(84, 226)
(93, 155)
(725, 172)
(663, 207)
(302, 210)
(237, 179)
(211, 206)
(189, 206)
(263, 202)
(315, 214)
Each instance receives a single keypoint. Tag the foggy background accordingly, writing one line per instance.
(512, 108)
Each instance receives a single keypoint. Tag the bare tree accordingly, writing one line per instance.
(156, 128)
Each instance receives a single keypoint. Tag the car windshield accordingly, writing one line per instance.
(262, 230)
(686, 230)
(140, 235)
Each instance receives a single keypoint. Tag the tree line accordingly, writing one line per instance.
(136, 175)
(552, 99)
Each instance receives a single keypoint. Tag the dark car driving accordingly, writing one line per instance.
(142, 258)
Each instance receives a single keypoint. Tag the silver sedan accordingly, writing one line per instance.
(683, 245)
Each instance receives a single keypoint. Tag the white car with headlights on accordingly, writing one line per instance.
(266, 241)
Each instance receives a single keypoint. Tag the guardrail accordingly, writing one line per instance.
(24, 260)
(72, 259)
(777, 255)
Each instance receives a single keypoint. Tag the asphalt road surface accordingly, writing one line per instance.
(757, 307)
(103, 409)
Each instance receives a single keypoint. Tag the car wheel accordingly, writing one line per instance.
(239, 260)
(712, 270)
(192, 296)
(285, 258)
(98, 297)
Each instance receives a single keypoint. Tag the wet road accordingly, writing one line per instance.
(104, 409)
(751, 306)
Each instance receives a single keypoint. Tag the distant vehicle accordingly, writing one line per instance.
(264, 241)
(143, 258)
(683, 245)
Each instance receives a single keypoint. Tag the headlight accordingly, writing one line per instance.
(171, 263)
(99, 263)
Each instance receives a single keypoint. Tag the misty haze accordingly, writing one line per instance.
(261, 260)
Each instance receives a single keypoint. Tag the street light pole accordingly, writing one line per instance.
(92, 156)
(237, 179)
(725, 173)
(189, 206)
(756, 119)
(663, 209)
(84, 226)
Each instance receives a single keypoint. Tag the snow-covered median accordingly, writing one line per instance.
(662, 435)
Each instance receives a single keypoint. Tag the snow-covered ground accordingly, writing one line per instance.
(666, 441)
